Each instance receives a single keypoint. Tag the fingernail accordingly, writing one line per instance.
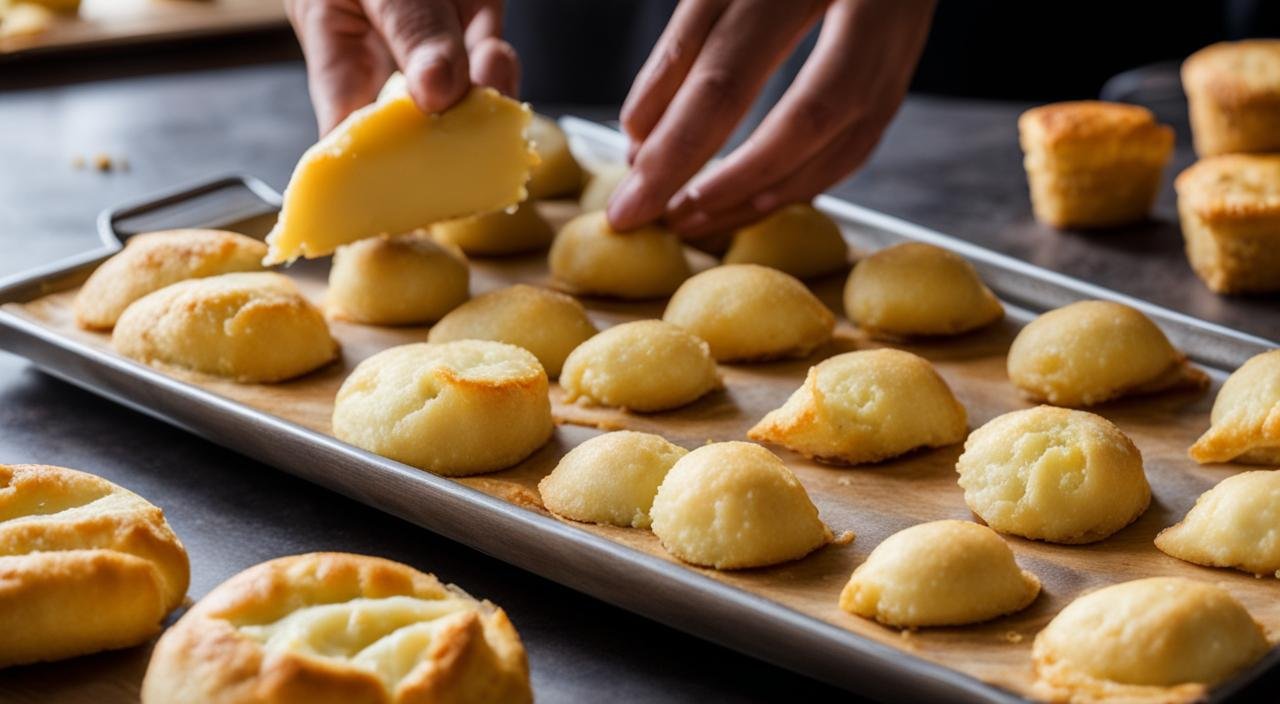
(765, 202)
(627, 200)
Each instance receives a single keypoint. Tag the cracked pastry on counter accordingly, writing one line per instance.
(589, 258)
(1235, 524)
(153, 260)
(86, 565)
(643, 365)
(1156, 641)
(1245, 420)
(407, 279)
(1053, 474)
(1233, 96)
(499, 233)
(334, 627)
(942, 573)
(733, 505)
(797, 239)
(1090, 352)
(1229, 207)
(601, 184)
(557, 174)
(750, 313)
(866, 406)
(451, 408)
(610, 479)
(250, 327)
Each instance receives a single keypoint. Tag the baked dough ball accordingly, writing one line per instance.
(644, 365)
(1234, 524)
(611, 478)
(398, 280)
(944, 573)
(732, 505)
(1233, 92)
(1053, 474)
(866, 406)
(153, 260)
(254, 327)
(498, 233)
(557, 173)
(451, 408)
(916, 289)
(589, 258)
(748, 312)
(1229, 207)
(1245, 421)
(1161, 639)
(547, 323)
(600, 186)
(797, 239)
(325, 628)
(85, 565)
(1094, 351)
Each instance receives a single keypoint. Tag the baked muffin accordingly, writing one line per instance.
(866, 406)
(589, 258)
(644, 365)
(499, 233)
(85, 565)
(451, 408)
(153, 260)
(748, 313)
(1230, 212)
(557, 174)
(610, 479)
(1093, 164)
(601, 184)
(254, 327)
(943, 573)
(402, 280)
(1232, 525)
(1245, 421)
(797, 239)
(1233, 92)
(330, 627)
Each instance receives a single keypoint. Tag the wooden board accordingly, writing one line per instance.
(871, 501)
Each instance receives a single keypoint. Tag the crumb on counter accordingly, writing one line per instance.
(844, 538)
(1013, 636)
(102, 162)
(77, 162)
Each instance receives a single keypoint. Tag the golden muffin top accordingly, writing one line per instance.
(1231, 187)
(1085, 120)
(1235, 73)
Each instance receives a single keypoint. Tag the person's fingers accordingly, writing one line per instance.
(345, 67)
(425, 37)
(494, 63)
(483, 20)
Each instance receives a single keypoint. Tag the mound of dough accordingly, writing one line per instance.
(1053, 474)
(401, 280)
(917, 289)
(644, 365)
(866, 406)
(748, 312)
(547, 323)
(1234, 524)
(1094, 351)
(732, 505)
(254, 327)
(86, 565)
(944, 573)
(451, 408)
(498, 233)
(600, 186)
(589, 258)
(611, 478)
(153, 260)
(336, 627)
(1245, 421)
(557, 173)
(1163, 639)
(797, 239)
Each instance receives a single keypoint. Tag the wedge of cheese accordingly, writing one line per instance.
(390, 168)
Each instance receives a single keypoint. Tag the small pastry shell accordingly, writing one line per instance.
(798, 239)
(1245, 421)
(1233, 93)
(557, 174)
(404, 279)
(589, 258)
(1235, 524)
(498, 233)
(1229, 207)
(644, 365)
(610, 479)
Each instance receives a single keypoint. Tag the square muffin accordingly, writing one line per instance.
(1230, 211)
(1093, 164)
(1233, 90)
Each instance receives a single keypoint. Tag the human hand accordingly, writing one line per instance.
(705, 71)
(441, 46)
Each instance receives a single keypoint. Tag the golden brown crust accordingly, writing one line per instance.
(1057, 124)
(1232, 187)
(1235, 73)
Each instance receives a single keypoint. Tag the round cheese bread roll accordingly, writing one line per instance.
(916, 289)
(866, 406)
(748, 312)
(611, 478)
(944, 573)
(498, 233)
(255, 327)
(547, 323)
(1053, 474)
(451, 408)
(600, 186)
(645, 365)
(589, 258)
(797, 239)
(1245, 421)
(1095, 351)
(332, 627)
(557, 173)
(153, 260)
(1162, 639)
(401, 280)
(732, 505)
(85, 565)
(1234, 524)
